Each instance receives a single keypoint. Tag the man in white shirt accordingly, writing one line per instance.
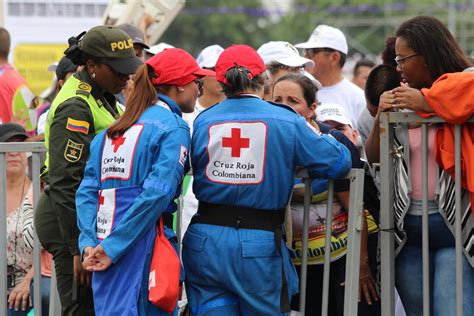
(211, 94)
(211, 90)
(327, 48)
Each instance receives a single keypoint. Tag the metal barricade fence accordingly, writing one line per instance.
(356, 216)
(356, 211)
(356, 177)
(37, 150)
(387, 222)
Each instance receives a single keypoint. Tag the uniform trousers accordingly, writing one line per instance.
(75, 300)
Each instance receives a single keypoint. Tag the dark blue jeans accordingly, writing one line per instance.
(442, 266)
(45, 294)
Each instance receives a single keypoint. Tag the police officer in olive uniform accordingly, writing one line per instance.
(84, 106)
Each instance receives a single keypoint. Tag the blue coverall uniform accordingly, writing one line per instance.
(129, 182)
(244, 153)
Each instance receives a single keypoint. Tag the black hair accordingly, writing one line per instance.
(309, 89)
(362, 63)
(77, 55)
(429, 37)
(388, 53)
(274, 67)
(239, 79)
(382, 78)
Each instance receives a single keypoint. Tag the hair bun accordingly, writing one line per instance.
(73, 52)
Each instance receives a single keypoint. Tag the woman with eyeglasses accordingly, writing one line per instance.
(83, 107)
(134, 173)
(425, 50)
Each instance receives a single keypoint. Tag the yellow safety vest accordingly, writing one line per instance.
(75, 88)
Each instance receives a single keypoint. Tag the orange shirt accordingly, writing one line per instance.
(452, 98)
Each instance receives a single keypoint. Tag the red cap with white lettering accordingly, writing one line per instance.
(175, 66)
(239, 56)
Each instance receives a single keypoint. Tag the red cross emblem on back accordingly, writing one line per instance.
(117, 142)
(235, 142)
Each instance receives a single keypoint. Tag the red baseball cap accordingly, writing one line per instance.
(177, 67)
(239, 56)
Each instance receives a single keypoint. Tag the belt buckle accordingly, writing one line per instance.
(238, 222)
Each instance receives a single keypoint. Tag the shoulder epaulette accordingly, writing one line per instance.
(84, 88)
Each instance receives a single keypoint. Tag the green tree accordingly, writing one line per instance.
(225, 22)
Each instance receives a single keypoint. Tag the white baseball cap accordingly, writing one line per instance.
(158, 48)
(325, 36)
(283, 53)
(207, 58)
(332, 112)
(315, 81)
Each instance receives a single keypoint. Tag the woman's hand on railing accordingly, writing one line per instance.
(387, 101)
(411, 99)
(20, 296)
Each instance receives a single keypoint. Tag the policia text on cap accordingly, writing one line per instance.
(85, 106)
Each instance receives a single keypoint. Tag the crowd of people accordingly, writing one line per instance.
(124, 123)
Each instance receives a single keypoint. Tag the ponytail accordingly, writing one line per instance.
(143, 95)
(239, 79)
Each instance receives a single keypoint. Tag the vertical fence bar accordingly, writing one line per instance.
(425, 232)
(327, 249)
(386, 218)
(54, 302)
(304, 246)
(356, 216)
(3, 234)
(458, 218)
(37, 247)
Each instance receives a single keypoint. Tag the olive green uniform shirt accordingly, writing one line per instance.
(68, 154)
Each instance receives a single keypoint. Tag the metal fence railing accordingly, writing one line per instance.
(356, 177)
(356, 211)
(37, 150)
(387, 222)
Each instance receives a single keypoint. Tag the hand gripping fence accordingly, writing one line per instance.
(387, 224)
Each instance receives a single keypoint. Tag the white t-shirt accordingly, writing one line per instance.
(365, 124)
(189, 201)
(346, 94)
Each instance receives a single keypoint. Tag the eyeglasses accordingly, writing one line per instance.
(399, 60)
(311, 52)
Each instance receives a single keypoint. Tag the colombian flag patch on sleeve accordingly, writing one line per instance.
(77, 126)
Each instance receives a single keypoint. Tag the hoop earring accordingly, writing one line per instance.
(93, 75)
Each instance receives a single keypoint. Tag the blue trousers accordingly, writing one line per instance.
(442, 266)
(233, 271)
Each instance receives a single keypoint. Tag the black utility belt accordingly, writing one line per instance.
(250, 218)
(239, 217)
